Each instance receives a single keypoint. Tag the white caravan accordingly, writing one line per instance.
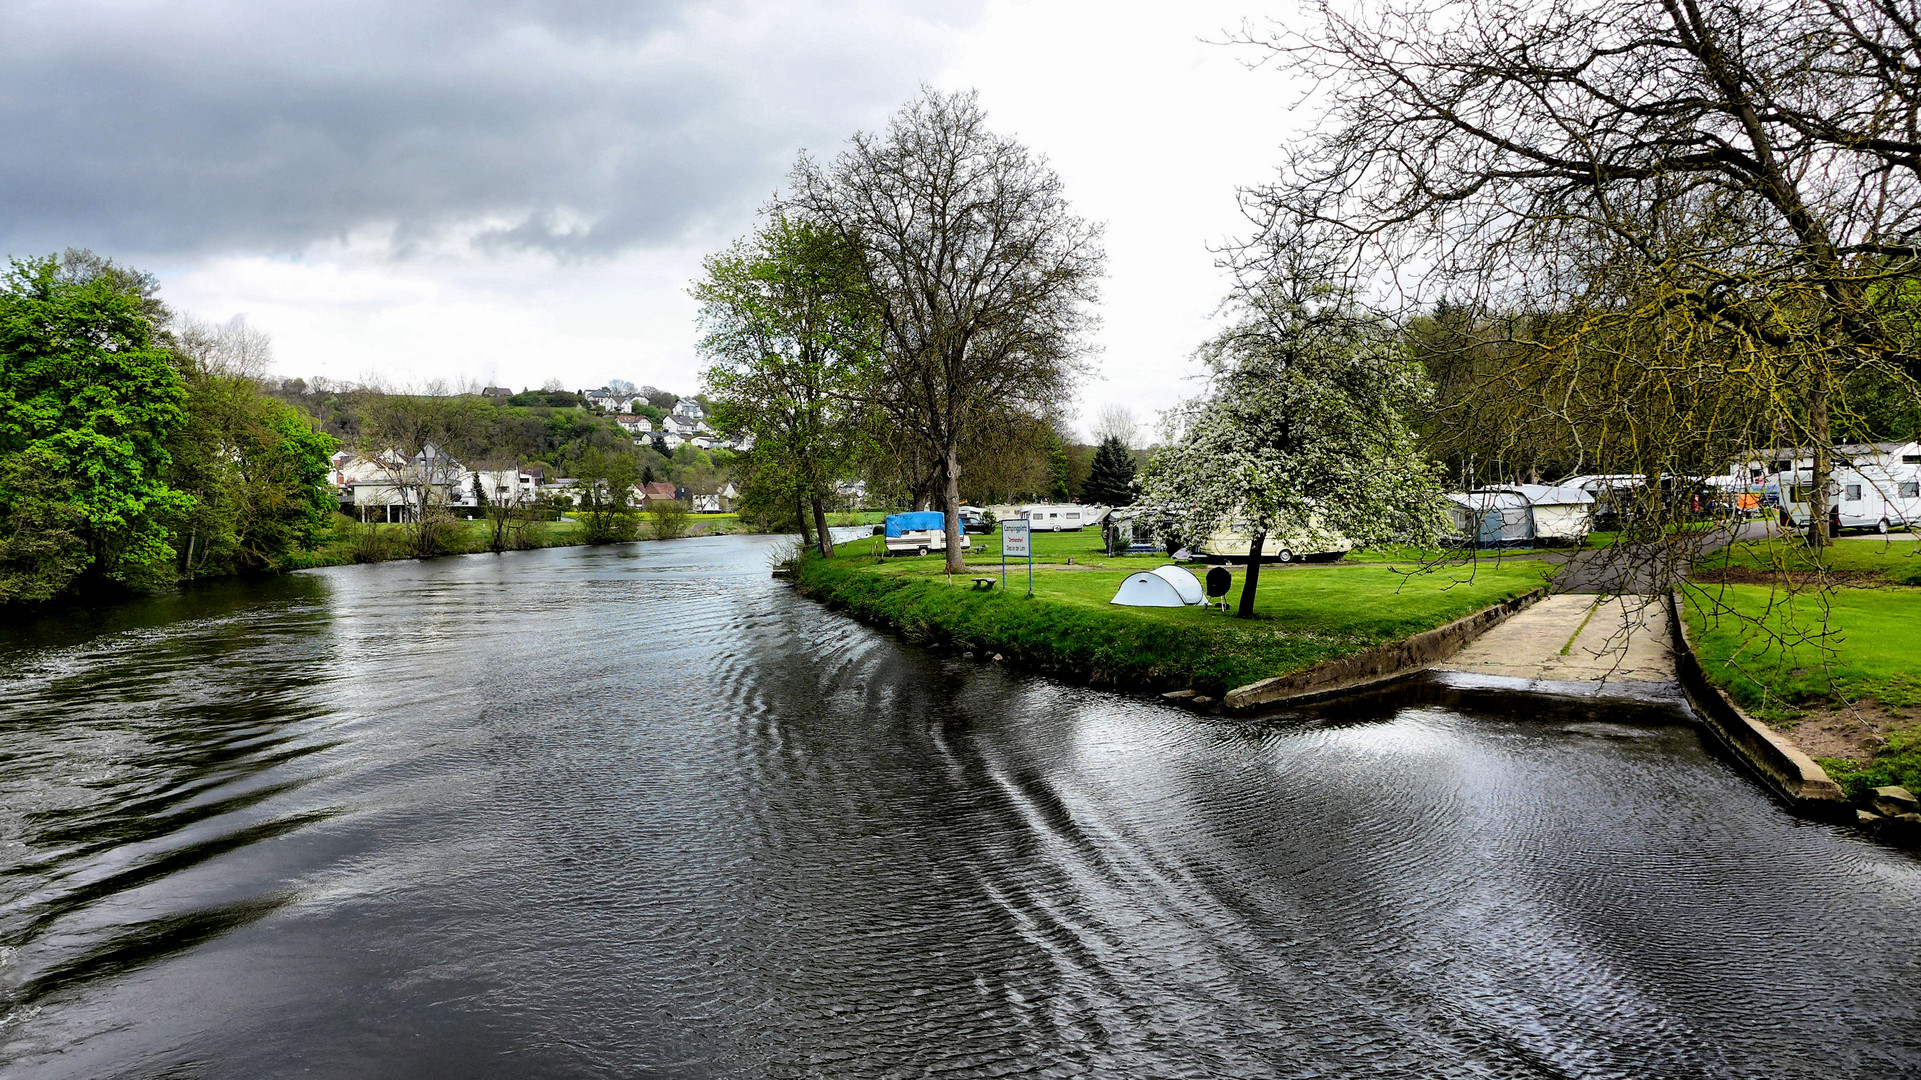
(1878, 497)
(1060, 517)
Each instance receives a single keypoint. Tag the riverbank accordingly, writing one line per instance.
(1834, 668)
(1309, 614)
(349, 541)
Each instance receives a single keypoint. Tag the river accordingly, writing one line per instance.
(640, 811)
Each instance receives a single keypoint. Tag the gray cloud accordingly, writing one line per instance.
(580, 126)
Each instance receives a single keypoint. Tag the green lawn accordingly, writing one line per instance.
(1880, 561)
(1308, 613)
(1788, 650)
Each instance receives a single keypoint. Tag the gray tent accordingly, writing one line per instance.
(1492, 517)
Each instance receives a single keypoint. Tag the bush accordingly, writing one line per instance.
(609, 527)
(369, 543)
(669, 519)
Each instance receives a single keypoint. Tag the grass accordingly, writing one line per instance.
(1307, 613)
(1786, 650)
(339, 545)
(1873, 560)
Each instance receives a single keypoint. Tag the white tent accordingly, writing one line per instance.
(1164, 586)
(1562, 512)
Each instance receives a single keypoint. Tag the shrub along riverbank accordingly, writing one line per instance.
(350, 541)
(1307, 613)
(1836, 670)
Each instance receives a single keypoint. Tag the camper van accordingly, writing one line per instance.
(1883, 498)
(1308, 545)
(1060, 517)
(918, 533)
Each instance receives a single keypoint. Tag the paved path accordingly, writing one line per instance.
(1575, 638)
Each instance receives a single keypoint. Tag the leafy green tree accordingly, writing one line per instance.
(607, 510)
(1111, 480)
(88, 399)
(253, 468)
(789, 336)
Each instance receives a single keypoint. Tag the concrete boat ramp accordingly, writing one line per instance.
(1574, 643)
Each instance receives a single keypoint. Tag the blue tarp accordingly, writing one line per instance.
(916, 521)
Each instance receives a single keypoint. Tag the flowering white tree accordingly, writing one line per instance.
(1303, 430)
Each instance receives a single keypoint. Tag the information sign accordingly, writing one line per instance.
(1015, 538)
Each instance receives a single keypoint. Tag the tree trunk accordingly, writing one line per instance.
(1819, 431)
(955, 564)
(1253, 581)
(800, 513)
(820, 526)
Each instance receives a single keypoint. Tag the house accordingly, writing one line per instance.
(658, 491)
(635, 424)
(502, 487)
(689, 409)
(496, 393)
(707, 504)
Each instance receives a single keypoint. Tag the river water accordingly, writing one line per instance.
(640, 811)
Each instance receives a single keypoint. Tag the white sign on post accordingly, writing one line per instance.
(1014, 539)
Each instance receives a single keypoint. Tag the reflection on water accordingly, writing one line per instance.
(639, 811)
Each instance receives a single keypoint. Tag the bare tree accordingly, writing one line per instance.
(1733, 183)
(982, 275)
(1117, 422)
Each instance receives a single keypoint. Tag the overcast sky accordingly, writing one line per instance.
(517, 190)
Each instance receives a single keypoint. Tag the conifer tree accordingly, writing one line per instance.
(1110, 482)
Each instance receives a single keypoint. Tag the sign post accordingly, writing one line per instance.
(1017, 541)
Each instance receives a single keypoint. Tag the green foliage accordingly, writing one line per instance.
(88, 399)
(255, 473)
(789, 333)
(668, 519)
(1111, 480)
(1057, 488)
(1898, 762)
(607, 511)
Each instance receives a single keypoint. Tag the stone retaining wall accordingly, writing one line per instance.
(1377, 665)
(1777, 762)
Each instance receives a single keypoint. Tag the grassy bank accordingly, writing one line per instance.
(1840, 670)
(348, 541)
(1308, 613)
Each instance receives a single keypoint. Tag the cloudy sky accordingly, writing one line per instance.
(517, 190)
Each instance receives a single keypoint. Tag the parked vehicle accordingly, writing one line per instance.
(918, 532)
(977, 521)
(1881, 498)
(1061, 517)
(1312, 544)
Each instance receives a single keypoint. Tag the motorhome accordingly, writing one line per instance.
(1060, 517)
(918, 532)
(1883, 498)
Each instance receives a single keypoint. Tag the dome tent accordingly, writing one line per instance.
(1163, 586)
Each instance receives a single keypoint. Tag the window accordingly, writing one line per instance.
(1911, 490)
(1801, 493)
(1854, 492)
(1911, 459)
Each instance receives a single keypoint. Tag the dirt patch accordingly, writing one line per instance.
(1851, 732)
(1744, 575)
